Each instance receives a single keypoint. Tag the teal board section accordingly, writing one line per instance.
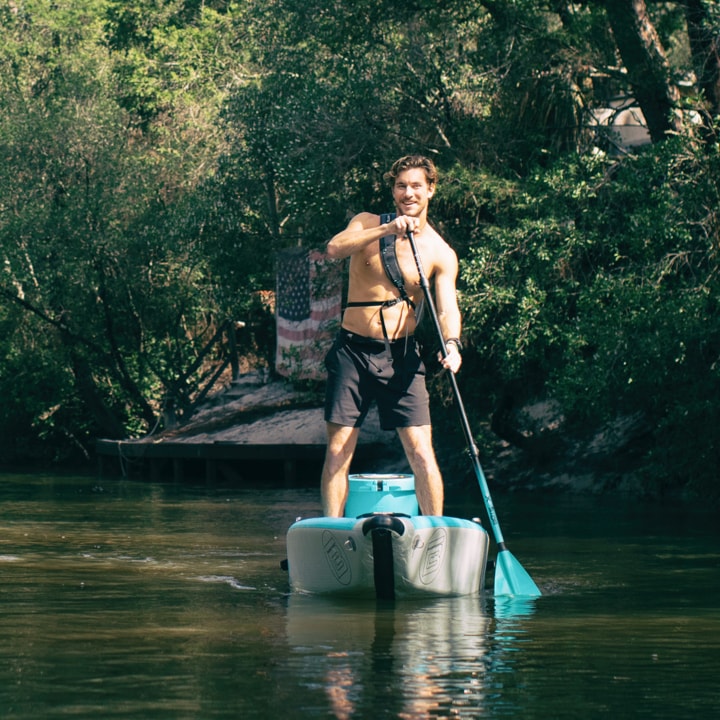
(419, 522)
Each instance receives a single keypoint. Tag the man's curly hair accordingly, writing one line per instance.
(408, 163)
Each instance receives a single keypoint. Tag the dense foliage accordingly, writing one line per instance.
(156, 155)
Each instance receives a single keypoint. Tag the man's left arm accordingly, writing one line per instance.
(448, 310)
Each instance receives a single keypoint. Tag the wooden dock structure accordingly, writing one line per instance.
(254, 433)
(290, 464)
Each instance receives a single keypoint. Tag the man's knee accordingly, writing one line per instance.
(341, 442)
(417, 439)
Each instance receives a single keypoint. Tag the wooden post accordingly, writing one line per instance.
(210, 472)
(290, 471)
(232, 343)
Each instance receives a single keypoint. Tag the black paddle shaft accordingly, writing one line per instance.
(472, 447)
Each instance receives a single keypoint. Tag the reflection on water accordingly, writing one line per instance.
(405, 660)
(163, 602)
(512, 607)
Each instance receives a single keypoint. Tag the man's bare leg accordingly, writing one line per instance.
(417, 442)
(341, 445)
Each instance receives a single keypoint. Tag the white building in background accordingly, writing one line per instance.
(621, 125)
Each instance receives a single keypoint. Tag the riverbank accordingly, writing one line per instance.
(271, 428)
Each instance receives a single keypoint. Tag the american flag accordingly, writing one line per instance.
(309, 297)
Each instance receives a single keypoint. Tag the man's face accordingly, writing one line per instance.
(411, 192)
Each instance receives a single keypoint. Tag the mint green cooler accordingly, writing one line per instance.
(379, 493)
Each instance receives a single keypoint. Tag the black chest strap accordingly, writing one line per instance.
(388, 256)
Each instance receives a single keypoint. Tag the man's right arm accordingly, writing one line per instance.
(360, 232)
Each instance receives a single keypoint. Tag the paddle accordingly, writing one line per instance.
(511, 578)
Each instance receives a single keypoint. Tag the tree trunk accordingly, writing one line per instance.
(704, 40)
(648, 70)
(106, 421)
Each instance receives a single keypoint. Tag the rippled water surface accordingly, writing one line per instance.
(125, 599)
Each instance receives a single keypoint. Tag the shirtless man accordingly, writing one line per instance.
(375, 356)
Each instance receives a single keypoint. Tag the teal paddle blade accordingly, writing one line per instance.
(511, 578)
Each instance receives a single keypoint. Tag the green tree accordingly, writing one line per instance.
(157, 154)
(107, 299)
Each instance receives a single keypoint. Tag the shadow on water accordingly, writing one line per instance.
(138, 600)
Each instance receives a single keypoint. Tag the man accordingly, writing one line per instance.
(375, 356)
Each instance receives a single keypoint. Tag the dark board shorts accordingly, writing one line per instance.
(364, 370)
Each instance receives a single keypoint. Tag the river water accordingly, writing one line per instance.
(123, 599)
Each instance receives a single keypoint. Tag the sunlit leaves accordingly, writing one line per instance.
(608, 298)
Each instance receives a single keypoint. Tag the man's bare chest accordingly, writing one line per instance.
(372, 267)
